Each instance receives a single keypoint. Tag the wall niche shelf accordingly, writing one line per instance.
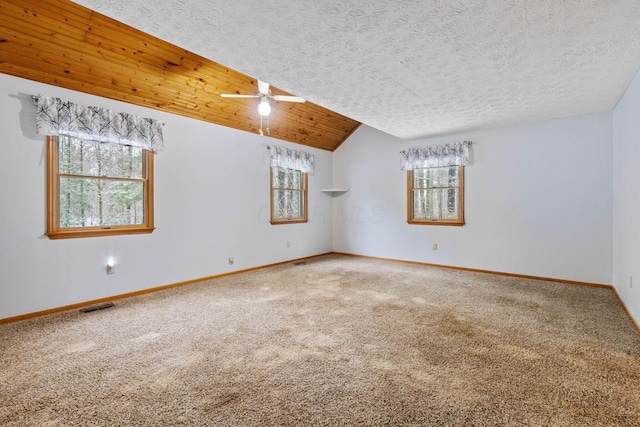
(335, 191)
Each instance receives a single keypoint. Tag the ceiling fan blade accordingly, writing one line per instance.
(288, 98)
(263, 87)
(236, 95)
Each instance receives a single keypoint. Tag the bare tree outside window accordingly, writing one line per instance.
(435, 196)
(98, 186)
(288, 195)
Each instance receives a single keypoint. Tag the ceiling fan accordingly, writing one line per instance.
(265, 95)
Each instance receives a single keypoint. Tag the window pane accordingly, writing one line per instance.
(436, 177)
(287, 204)
(435, 204)
(78, 157)
(287, 178)
(92, 202)
(420, 178)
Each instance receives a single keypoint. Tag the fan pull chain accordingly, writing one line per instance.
(267, 128)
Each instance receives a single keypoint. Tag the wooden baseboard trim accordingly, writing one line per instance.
(626, 309)
(231, 273)
(501, 273)
(145, 291)
(476, 270)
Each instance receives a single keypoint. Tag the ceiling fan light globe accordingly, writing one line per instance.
(264, 108)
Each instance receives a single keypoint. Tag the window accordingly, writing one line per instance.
(97, 189)
(436, 196)
(288, 196)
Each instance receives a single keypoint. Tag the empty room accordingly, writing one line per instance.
(420, 213)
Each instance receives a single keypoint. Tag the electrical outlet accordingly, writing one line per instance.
(631, 281)
(230, 261)
(288, 244)
(435, 246)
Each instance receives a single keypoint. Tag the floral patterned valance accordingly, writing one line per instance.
(57, 116)
(437, 156)
(291, 159)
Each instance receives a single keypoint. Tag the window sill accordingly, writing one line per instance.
(98, 232)
(288, 221)
(435, 222)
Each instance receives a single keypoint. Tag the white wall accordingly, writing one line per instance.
(626, 198)
(538, 198)
(538, 201)
(211, 203)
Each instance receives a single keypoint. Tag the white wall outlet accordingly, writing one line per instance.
(631, 281)
(230, 261)
(288, 244)
(435, 246)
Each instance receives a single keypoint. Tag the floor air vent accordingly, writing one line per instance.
(96, 307)
(300, 263)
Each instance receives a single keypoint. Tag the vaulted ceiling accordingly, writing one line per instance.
(410, 68)
(64, 44)
(414, 68)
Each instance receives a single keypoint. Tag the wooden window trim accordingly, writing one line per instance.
(53, 201)
(456, 223)
(305, 202)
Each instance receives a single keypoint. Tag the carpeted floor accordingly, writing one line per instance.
(336, 341)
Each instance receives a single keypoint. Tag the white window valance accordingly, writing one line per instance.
(288, 158)
(437, 156)
(57, 116)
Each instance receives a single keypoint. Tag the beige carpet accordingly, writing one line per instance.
(337, 341)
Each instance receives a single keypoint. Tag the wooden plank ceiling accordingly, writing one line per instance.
(64, 44)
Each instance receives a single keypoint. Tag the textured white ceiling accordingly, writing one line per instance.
(414, 68)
